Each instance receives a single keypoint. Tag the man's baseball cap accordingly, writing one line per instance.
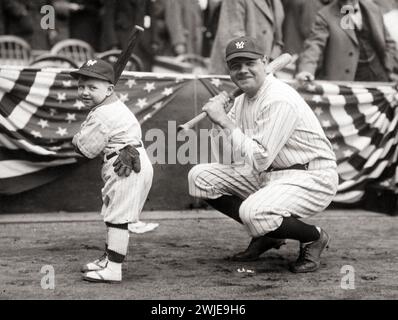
(245, 47)
(96, 68)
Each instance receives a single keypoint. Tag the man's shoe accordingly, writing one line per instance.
(309, 259)
(96, 265)
(103, 276)
(257, 247)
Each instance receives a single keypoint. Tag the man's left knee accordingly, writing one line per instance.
(194, 173)
(246, 212)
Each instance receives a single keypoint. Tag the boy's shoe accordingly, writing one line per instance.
(96, 265)
(105, 275)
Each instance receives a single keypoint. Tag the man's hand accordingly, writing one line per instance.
(215, 110)
(128, 160)
(305, 76)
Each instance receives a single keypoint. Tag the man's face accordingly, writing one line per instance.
(247, 74)
(93, 91)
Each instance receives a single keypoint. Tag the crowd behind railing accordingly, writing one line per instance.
(331, 43)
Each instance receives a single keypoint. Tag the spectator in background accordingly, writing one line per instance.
(387, 5)
(184, 22)
(63, 8)
(363, 51)
(40, 39)
(23, 19)
(259, 19)
(18, 21)
(390, 15)
(119, 19)
(160, 37)
(2, 18)
(211, 16)
(84, 21)
(293, 24)
(299, 16)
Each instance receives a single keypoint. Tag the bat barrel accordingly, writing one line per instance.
(124, 57)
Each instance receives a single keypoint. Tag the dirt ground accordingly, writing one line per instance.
(184, 259)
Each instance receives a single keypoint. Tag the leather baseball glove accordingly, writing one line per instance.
(127, 161)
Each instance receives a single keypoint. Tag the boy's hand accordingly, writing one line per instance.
(128, 160)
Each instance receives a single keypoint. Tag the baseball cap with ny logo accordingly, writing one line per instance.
(245, 47)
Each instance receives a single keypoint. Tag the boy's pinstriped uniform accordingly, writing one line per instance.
(109, 128)
(277, 129)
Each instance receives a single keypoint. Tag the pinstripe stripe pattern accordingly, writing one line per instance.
(275, 127)
(108, 129)
(124, 197)
(278, 127)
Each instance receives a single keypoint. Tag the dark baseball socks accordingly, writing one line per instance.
(292, 228)
(228, 205)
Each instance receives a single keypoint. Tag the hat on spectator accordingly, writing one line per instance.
(245, 47)
(96, 68)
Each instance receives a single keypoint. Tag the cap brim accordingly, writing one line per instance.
(86, 73)
(249, 55)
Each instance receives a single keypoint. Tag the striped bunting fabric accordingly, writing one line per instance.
(40, 113)
(361, 123)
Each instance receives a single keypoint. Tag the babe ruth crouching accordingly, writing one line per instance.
(112, 129)
(283, 167)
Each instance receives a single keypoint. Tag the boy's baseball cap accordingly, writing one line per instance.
(245, 47)
(96, 68)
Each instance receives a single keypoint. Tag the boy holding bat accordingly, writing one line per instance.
(112, 128)
(283, 166)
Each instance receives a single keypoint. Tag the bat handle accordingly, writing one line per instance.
(190, 124)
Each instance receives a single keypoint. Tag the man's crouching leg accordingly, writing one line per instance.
(118, 241)
(313, 240)
(202, 181)
(229, 205)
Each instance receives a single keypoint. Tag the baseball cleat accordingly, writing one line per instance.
(96, 265)
(309, 259)
(256, 248)
(103, 276)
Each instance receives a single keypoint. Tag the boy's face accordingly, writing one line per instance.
(93, 91)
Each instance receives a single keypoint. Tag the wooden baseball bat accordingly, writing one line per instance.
(124, 56)
(274, 66)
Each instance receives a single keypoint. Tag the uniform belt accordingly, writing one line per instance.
(114, 154)
(298, 166)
